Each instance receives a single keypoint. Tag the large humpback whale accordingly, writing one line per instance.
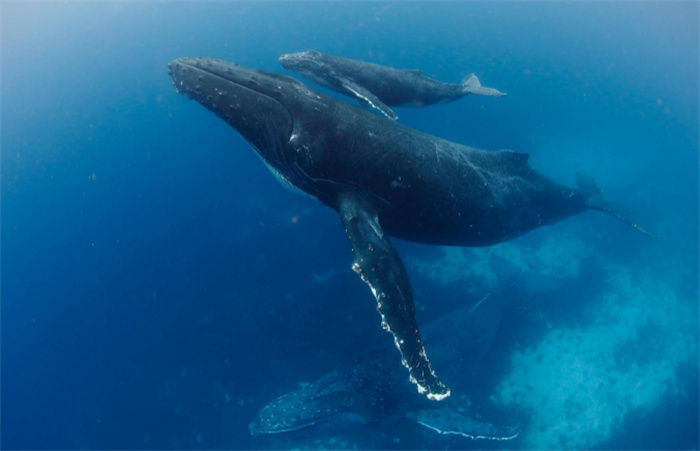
(379, 86)
(383, 179)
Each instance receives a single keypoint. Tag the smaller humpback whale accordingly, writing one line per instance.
(372, 390)
(383, 179)
(378, 86)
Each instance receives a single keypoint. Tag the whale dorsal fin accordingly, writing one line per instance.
(366, 97)
(378, 264)
(515, 158)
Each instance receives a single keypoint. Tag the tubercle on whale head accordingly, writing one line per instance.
(290, 61)
(254, 102)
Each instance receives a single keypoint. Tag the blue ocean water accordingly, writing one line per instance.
(159, 287)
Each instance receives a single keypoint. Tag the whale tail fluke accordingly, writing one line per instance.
(471, 85)
(597, 201)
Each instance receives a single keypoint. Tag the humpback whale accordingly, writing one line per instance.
(372, 388)
(383, 179)
(379, 86)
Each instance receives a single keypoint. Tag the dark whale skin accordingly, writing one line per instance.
(382, 178)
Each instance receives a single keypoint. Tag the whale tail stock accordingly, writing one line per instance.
(472, 85)
(597, 201)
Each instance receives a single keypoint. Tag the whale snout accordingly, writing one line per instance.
(251, 101)
(288, 60)
(185, 79)
(292, 60)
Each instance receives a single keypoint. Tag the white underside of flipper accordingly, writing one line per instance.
(365, 96)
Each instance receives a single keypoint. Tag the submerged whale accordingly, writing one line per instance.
(372, 389)
(383, 179)
(379, 86)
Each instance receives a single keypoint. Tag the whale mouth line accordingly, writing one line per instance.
(228, 80)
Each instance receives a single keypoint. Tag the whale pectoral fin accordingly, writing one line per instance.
(449, 421)
(379, 265)
(365, 96)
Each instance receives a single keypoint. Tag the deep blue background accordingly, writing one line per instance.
(151, 266)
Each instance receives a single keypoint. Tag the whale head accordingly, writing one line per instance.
(300, 60)
(312, 65)
(251, 101)
(273, 112)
